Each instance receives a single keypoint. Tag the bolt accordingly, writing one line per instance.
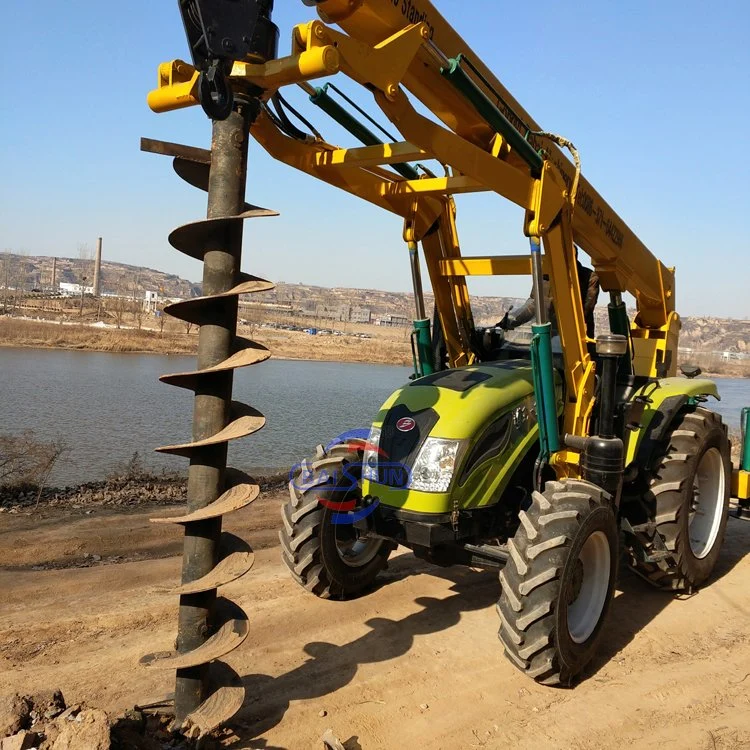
(227, 44)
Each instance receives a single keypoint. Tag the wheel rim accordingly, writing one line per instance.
(355, 548)
(589, 587)
(356, 551)
(709, 488)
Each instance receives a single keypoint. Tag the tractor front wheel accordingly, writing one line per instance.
(558, 583)
(326, 554)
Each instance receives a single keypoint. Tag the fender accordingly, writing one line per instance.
(666, 398)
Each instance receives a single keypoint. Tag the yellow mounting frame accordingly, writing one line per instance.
(386, 52)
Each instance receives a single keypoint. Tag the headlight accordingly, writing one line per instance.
(433, 469)
(370, 459)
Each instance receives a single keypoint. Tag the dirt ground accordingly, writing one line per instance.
(415, 664)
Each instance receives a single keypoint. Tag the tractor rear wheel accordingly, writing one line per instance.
(558, 583)
(328, 557)
(686, 505)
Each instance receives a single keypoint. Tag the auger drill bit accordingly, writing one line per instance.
(207, 691)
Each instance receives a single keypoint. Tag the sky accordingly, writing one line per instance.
(655, 95)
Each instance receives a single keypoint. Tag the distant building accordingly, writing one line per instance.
(360, 315)
(68, 290)
(324, 311)
(150, 300)
(391, 321)
(343, 313)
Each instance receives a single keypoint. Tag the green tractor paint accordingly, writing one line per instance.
(485, 416)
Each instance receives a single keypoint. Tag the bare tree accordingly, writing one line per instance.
(83, 293)
(6, 272)
(137, 308)
(27, 461)
(85, 269)
(118, 308)
(85, 260)
(13, 277)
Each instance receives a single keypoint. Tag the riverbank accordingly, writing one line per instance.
(385, 346)
(118, 492)
(47, 334)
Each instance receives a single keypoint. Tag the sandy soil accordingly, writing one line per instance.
(416, 664)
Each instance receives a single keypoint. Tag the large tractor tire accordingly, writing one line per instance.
(686, 505)
(331, 560)
(559, 581)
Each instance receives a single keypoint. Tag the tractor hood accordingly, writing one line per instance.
(486, 412)
(454, 404)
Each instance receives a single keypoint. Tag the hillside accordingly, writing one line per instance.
(330, 302)
(335, 304)
(29, 272)
(700, 333)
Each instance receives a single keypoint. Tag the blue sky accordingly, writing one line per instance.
(656, 95)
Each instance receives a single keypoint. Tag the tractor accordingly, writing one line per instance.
(549, 460)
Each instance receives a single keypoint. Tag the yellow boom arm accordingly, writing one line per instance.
(622, 261)
(388, 46)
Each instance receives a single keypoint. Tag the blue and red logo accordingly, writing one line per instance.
(346, 478)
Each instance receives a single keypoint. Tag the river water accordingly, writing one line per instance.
(108, 406)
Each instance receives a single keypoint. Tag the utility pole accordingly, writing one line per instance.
(98, 268)
(83, 291)
(6, 264)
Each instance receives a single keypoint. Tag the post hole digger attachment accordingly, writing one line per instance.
(531, 459)
(220, 32)
(208, 691)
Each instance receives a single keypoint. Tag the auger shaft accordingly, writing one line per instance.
(226, 195)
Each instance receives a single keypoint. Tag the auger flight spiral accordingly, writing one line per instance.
(208, 692)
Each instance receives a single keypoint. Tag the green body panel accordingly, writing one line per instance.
(464, 415)
(483, 487)
(544, 388)
(658, 393)
(424, 365)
